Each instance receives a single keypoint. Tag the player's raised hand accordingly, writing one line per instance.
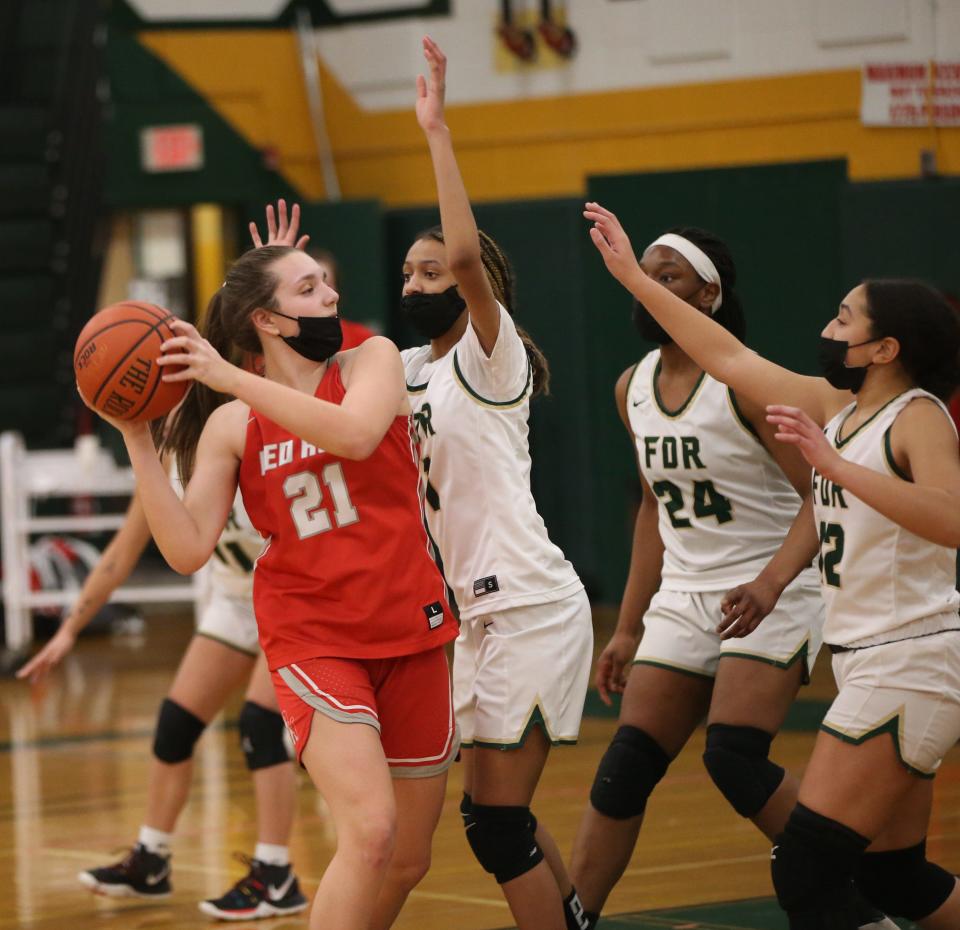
(795, 427)
(200, 360)
(613, 666)
(612, 242)
(281, 229)
(432, 91)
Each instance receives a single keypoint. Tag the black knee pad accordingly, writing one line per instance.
(466, 812)
(261, 736)
(502, 841)
(812, 864)
(177, 732)
(736, 758)
(628, 772)
(902, 883)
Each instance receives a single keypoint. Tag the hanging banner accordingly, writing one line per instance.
(911, 93)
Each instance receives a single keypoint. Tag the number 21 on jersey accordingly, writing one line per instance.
(310, 515)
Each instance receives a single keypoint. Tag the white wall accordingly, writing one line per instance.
(643, 43)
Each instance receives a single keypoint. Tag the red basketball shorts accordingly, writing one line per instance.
(406, 699)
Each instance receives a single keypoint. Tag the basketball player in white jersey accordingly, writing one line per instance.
(522, 659)
(885, 515)
(222, 655)
(719, 497)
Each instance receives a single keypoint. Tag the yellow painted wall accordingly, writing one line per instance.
(542, 147)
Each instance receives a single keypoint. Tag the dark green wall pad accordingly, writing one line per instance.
(903, 229)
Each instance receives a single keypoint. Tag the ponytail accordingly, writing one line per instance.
(500, 274)
(179, 436)
(250, 284)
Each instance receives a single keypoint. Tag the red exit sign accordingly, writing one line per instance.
(171, 148)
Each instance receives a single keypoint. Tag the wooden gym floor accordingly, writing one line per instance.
(74, 754)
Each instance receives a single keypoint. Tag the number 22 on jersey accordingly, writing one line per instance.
(310, 515)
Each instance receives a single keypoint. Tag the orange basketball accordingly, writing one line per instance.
(115, 361)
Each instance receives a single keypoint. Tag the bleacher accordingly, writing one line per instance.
(51, 166)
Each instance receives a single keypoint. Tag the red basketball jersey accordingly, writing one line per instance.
(346, 570)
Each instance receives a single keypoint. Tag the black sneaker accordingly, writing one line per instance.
(265, 891)
(140, 874)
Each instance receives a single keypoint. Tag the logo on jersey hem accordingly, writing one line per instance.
(434, 613)
(488, 585)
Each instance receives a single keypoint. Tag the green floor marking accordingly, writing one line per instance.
(752, 914)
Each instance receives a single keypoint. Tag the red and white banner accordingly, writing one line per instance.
(911, 93)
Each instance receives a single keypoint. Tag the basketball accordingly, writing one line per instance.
(115, 361)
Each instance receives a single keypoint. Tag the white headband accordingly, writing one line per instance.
(701, 262)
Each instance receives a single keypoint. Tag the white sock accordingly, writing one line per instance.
(155, 841)
(270, 854)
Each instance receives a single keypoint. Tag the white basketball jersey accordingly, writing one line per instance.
(471, 417)
(725, 504)
(876, 576)
(230, 569)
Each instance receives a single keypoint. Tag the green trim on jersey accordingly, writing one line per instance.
(739, 416)
(417, 388)
(254, 653)
(500, 404)
(891, 726)
(658, 400)
(840, 443)
(633, 375)
(679, 669)
(888, 455)
(536, 718)
(801, 653)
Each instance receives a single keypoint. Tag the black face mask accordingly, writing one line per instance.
(319, 336)
(832, 356)
(432, 315)
(647, 325)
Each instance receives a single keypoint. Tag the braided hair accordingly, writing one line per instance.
(500, 274)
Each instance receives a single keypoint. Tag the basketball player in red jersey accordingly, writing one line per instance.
(350, 607)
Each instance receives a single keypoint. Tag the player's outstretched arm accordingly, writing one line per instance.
(711, 346)
(112, 570)
(351, 430)
(744, 606)
(924, 447)
(460, 236)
